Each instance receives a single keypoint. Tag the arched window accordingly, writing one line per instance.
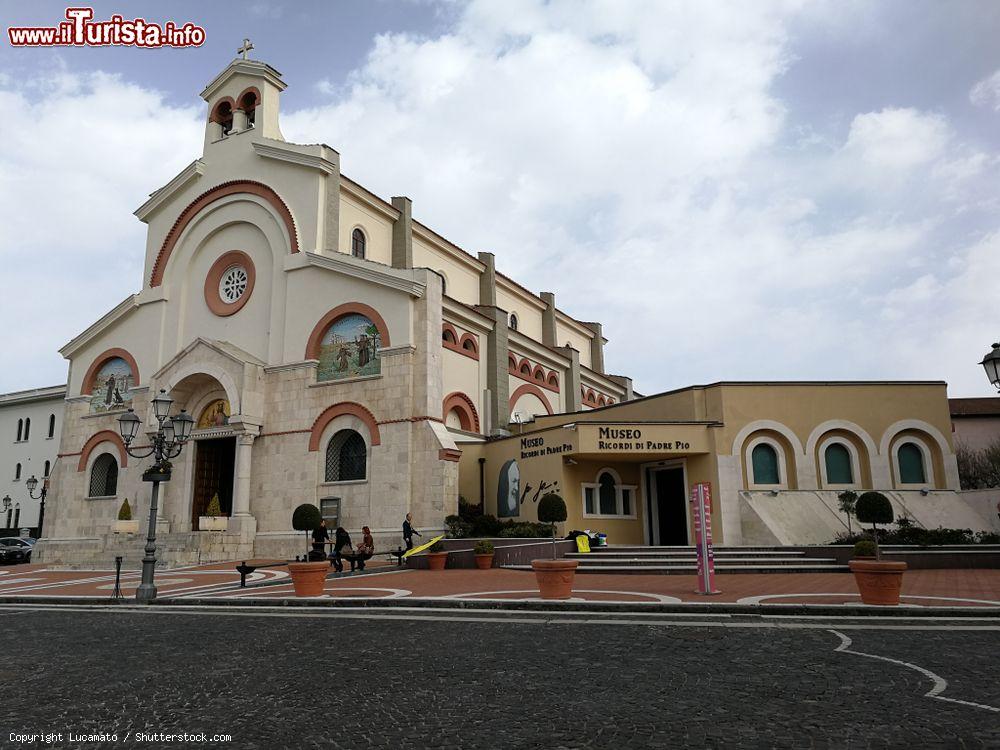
(911, 464)
(248, 103)
(20, 429)
(346, 457)
(448, 337)
(607, 495)
(104, 476)
(838, 464)
(17, 472)
(358, 243)
(512, 323)
(469, 345)
(52, 425)
(765, 464)
(224, 116)
(27, 428)
(48, 466)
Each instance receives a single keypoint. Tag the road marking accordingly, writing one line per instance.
(656, 598)
(940, 684)
(541, 617)
(763, 597)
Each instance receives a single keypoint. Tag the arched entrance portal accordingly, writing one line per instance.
(213, 445)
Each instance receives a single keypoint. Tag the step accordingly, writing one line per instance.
(691, 560)
(687, 552)
(693, 569)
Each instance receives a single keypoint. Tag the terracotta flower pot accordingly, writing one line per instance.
(308, 578)
(555, 577)
(879, 581)
(436, 560)
(485, 561)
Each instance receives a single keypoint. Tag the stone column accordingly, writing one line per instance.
(571, 381)
(596, 348)
(402, 233)
(239, 121)
(549, 319)
(241, 475)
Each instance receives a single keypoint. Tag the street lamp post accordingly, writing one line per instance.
(170, 437)
(991, 363)
(31, 483)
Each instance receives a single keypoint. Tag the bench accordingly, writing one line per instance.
(244, 570)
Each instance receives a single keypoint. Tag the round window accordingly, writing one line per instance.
(233, 283)
(229, 283)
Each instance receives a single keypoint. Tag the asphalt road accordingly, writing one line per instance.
(327, 681)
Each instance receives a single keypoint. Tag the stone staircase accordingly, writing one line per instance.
(683, 561)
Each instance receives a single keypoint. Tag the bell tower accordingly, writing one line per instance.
(243, 100)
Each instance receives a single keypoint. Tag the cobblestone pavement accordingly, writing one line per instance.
(313, 679)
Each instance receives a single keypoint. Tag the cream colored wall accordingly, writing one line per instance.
(514, 382)
(529, 318)
(137, 332)
(377, 229)
(578, 341)
(462, 281)
(465, 375)
(619, 530)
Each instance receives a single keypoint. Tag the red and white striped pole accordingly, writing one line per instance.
(701, 502)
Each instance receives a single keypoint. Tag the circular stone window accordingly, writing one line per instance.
(233, 284)
(229, 283)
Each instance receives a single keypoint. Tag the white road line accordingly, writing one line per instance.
(763, 597)
(656, 598)
(940, 684)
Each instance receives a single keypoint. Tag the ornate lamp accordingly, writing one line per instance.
(161, 405)
(991, 363)
(128, 426)
(183, 423)
(31, 483)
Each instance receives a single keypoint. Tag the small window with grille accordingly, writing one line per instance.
(104, 476)
(346, 457)
(329, 508)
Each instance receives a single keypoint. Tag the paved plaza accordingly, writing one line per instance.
(921, 588)
(451, 679)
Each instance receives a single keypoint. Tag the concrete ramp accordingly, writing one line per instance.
(812, 516)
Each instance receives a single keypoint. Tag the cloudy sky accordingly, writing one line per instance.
(786, 190)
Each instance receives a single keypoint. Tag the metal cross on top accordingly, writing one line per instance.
(245, 49)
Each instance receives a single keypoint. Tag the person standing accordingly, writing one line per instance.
(320, 537)
(409, 531)
(342, 550)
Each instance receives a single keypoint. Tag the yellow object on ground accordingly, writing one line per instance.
(422, 547)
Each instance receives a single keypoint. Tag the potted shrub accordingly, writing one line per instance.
(555, 577)
(125, 524)
(213, 520)
(878, 580)
(308, 578)
(437, 556)
(484, 551)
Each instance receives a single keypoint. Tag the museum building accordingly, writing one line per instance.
(332, 349)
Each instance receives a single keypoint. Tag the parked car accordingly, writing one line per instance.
(13, 549)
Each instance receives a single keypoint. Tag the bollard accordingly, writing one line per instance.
(117, 594)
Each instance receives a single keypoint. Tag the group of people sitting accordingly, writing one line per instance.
(343, 548)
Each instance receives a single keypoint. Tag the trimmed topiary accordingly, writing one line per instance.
(306, 518)
(214, 509)
(865, 548)
(873, 508)
(125, 512)
(552, 510)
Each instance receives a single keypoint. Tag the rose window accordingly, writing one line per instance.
(233, 284)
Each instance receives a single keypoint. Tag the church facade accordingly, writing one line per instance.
(329, 346)
(334, 350)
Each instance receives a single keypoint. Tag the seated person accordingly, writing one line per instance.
(366, 549)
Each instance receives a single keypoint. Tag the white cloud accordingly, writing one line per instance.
(986, 93)
(632, 158)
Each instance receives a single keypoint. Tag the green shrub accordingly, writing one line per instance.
(306, 517)
(484, 547)
(458, 528)
(873, 508)
(438, 546)
(468, 511)
(486, 525)
(214, 509)
(865, 548)
(551, 509)
(125, 512)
